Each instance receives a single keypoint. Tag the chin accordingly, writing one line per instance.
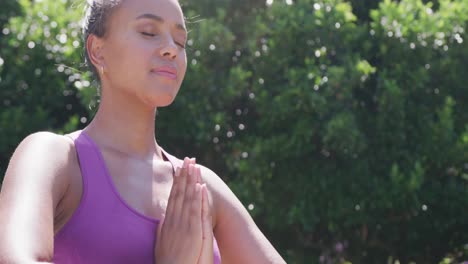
(164, 104)
(161, 96)
(163, 100)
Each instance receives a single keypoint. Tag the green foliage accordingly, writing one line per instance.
(37, 87)
(341, 125)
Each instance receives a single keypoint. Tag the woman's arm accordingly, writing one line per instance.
(35, 182)
(239, 239)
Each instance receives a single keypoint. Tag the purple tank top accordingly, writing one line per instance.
(104, 228)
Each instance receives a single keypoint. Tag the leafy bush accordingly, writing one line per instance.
(341, 125)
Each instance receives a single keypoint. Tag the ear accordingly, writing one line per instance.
(95, 47)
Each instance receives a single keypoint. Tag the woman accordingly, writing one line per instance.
(110, 193)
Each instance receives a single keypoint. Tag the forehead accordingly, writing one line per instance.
(168, 10)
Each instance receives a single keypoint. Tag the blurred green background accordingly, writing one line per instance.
(341, 125)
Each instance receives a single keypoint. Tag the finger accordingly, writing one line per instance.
(206, 214)
(194, 162)
(186, 162)
(194, 212)
(173, 194)
(191, 176)
(189, 193)
(198, 174)
(179, 195)
(206, 255)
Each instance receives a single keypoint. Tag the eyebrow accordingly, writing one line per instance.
(160, 20)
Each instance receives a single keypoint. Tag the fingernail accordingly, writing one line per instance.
(177, 172)
(185, 162)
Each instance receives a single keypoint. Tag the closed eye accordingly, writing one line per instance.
(148, 34)
(181, 45)
(152, 35)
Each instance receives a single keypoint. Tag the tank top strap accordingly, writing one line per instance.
(176, 162)
(93, 169)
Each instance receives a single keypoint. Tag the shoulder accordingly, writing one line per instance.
(223, 200)
(46, 138)
(45, 146)
(214, 182)
(43, 158)
(36, 180)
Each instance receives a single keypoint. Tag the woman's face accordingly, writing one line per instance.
(143, 50)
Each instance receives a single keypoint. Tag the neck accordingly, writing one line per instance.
(125, 125)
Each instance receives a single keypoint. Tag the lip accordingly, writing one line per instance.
(166, 71)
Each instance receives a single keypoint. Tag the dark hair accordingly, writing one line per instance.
(95, 22)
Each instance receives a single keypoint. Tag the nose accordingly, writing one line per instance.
(169, 49)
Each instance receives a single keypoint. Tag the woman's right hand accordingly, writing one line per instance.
(180, 232)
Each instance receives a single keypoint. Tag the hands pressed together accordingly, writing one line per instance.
(185, 234)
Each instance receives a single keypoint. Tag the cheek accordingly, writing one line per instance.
(182, 62)
(129, 58)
